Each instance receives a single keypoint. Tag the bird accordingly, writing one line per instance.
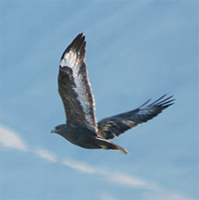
(81, 127)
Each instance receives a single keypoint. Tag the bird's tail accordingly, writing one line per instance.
(106, 144)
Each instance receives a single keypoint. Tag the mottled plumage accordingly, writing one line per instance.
(81, 127)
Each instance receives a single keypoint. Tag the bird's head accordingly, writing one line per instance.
(60, 129)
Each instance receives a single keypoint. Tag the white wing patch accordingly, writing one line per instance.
(145, 111)
(70, 60)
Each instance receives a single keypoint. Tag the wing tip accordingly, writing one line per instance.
(161, 102)
(77, 45)
(122, 150)
(164, 102)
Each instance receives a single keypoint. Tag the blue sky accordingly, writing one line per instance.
(136, 50)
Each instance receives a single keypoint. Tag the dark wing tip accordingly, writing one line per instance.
(77, 45)
(163, 102)
(153, 109)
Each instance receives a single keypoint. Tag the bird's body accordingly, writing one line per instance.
(86, 138)
(81, 127)
(80, 136)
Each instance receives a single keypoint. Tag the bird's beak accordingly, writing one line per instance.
(53, 131)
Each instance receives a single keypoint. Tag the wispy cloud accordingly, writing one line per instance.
(46, 155)
(107, 197)
(79, 166)
(11, 139)
(130, 181)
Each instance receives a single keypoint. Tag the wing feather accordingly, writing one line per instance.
(113, 126)
(74, 87)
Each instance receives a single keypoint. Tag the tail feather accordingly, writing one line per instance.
(105, 144)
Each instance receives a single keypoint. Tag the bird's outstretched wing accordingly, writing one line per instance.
(74, 87)
(113, 126)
